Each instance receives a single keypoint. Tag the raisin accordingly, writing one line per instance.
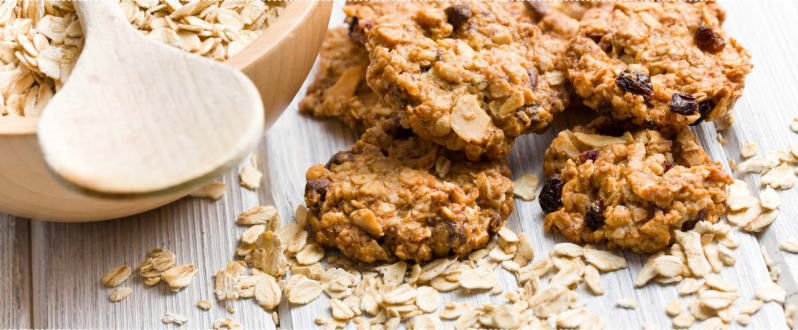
(594, 217)
(551, 195)
(708, 40)
(393, 128)
(635, 82)
(683, 104)
(316, 192)
(357, 30)
(704, 108)
(533, 77)
(604, 108)
(340, 158)
(690, 224)
(668, 165)
(458, 14)
(588, 155)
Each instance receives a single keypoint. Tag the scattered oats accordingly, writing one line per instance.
(571, 319)
(302, 290)
(428, 299)
(794, 126)
(567, 250)
(550, 301)
(593, 322)
(648, 272)
(727, 314)
(668, 280)
(721, 139)
(566, 277)
(508, 235)
(740, 197)
(400, 295)
(432, 269)
(689, 286)
(593, 280)
(227, 323)
(743, 319)
(311, 254)
(781, 177)
(714, 323)
(757, 165)
(669, 266)
(213, 190)
(526, 185)
(301, 216)
(683, 321)
(116, 276)
(478, 278)
(716, 282)
(761, 221)
(749, 150)
(179, 277)
(789, 245)
(453, 310)
(525, 248)
(775, 272)
(174, 318)
(649, 326)
(770, 199)
(478, 254)
(604, 260)
(426, 322)
(204, 305)
(250, 177)
(673, 308)
(251, 235)
(752, 307)
(716, 299)
(261, 215)
(691, 242)
(498, 255)
(227, 283)
(231, 310)
(700, 312)
(267, 292)
(770, 292)
(120, 294)
(713, 257)
(276, 318)
(319, 321)
(726, 255)
(340, 310)
(628, 303)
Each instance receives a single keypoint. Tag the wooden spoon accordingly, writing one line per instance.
(140, 117)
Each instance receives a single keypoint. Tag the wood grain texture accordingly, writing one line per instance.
(15, 281)
(69, 259)
(764, 112)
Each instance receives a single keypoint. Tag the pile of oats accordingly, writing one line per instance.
(160, 266)
(749, 213)
(39, 45)
(40, 40)
(114, 278)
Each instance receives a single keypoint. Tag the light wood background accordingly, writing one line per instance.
(49, 272)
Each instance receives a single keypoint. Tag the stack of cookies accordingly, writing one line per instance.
(444, 88)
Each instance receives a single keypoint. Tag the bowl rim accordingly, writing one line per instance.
(262, 45)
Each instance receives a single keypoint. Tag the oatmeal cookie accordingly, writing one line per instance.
(394, 194)
(468, 77)
(362, 15)
(630, 190)
(660, 64)
(339, 89)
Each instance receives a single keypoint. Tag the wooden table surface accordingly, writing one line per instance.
(49, 272)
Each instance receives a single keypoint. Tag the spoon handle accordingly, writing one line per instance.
(102, 18)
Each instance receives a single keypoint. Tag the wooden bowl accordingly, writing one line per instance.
(278, 62)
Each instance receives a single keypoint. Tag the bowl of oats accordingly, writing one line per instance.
(274, 43)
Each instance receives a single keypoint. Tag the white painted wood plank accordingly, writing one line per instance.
(767, 107)
(15, 283)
